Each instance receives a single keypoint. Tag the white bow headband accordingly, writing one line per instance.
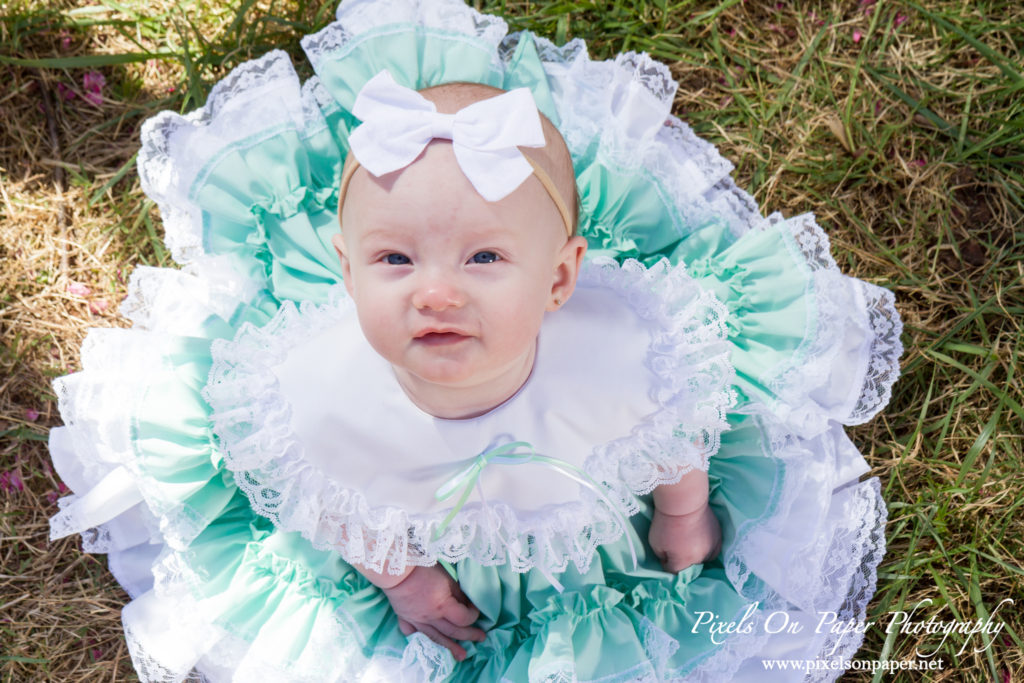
(398, 123)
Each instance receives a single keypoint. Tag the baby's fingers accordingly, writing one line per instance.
(460, 632)
(435, 635)
(458, 613)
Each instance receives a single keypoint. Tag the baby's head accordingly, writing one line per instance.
(451, 288)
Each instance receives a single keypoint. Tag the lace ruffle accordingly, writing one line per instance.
(687, 356)
(622, 107)
(839, 303)
(174, 613)
(369, 18)
(257, 99)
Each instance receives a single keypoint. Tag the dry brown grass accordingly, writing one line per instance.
(905, 204)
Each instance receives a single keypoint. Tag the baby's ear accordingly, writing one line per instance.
(567, 269)
(346, 267)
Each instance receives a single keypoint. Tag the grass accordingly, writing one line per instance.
(900, 124)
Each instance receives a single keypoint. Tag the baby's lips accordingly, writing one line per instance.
(440, 336)
(440, 329)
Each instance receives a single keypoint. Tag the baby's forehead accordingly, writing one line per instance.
(451, 97)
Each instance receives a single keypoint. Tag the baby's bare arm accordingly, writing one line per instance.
(427, 599)
(688, 494)
(684, 530)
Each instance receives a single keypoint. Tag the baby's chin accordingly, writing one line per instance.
(450, 387)
(446, 374)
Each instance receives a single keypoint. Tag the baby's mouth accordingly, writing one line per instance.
(440, 338)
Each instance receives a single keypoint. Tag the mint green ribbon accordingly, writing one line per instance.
(511, 454)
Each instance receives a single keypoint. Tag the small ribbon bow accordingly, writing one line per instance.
(521, 453)
(398, 123)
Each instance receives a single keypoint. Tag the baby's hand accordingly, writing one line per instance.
(429, 601)
(682, 540)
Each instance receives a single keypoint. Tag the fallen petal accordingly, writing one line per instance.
(93, 81)
(78, 289)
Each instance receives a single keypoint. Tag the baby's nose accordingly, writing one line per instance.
(438, 293)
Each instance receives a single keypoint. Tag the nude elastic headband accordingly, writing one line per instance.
(538, 171)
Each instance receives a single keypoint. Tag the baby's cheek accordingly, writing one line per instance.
(380, 328)
(520, 325)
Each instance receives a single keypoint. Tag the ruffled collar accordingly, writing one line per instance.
(629, 390)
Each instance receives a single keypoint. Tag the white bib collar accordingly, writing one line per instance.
(629, 385)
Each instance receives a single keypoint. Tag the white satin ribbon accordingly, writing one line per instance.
(398, 123)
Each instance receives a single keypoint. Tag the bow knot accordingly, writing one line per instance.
(398, 123)
(442, 126)
(521, 453)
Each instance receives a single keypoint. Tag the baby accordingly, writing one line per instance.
(451, 289)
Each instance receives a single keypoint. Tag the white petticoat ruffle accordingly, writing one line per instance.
(687, 358)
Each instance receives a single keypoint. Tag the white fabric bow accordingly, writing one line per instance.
(398, 123)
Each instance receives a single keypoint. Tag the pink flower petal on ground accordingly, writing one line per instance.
(93, 98)
(920, 162)
(857, 35)
(78, 289)
(98, 306)
(900, 20)
(65, 92)
(62, 488)
(11, 481)
(31, 415)
(93, 81)
(51, 498)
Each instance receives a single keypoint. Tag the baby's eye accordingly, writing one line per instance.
(397, 260)
(485, 257)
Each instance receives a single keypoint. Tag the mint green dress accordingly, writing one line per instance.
(247, 187)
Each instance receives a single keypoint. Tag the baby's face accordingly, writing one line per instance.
(451, 289)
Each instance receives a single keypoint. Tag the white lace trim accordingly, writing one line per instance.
(847, 580)
(687, 356)
(838, 302)
(334, 652)
(624, 105)
(372, 17)
(884, 365)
